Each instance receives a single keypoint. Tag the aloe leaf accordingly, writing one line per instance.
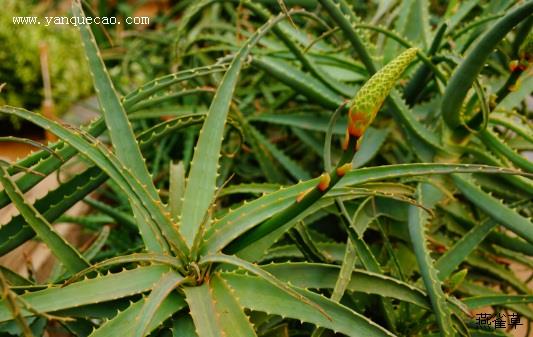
(309, 140)
(44, 163)
(252, 188)
(201, 183)
(97, 244)
(324, 276)
(118, 125)
(501, 239)
(490, 139)
(370, 145)
(498, 211)
(334, 252)
(474, 24)
(517, 257)
(203, 311)
(368, 260)
(183, 326)
(476, 290)
(233, 260)
(408, 44)
(487, 158)
(232, 225)
(290, 165)
(237, 221)
(417, 221)
(30, 142)
(105, 310)
(231, 313)
(123, 140)
(346, 22)
(270, 170)
(151, 214)
(131, 258)
(341, 318)
(413, 23)
(514, 125)
(257, 250)
(159, 293)
(155, 100)
(298, 81)
(423, 74)
(414, 125)
(285, 35)
(14, 279)
(516, 93)
(301, 120)
(103, 158)
(482, 263)
(62, 250)
(176, 188)
(490, 300)
(88, 291)
(343, 278)
(18, 234)
(456, 15)
(121, 324)
(369, 174)
(12, 302)
(447, 263)
(301, 237)
(156, 85)
(363, 216)
(464, 76)
(56, 202)
(117, 215)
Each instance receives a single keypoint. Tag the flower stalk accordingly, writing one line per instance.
(362, 112)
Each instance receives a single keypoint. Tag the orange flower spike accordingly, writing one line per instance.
(372, 94)
(323, 184)
(341, 171)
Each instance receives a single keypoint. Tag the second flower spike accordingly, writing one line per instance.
(370, 97)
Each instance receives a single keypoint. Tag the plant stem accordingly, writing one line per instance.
(296, 208)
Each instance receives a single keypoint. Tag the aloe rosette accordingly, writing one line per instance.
(196, 257)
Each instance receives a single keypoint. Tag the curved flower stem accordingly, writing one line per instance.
(301, 204)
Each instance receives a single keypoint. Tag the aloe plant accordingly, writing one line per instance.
(400, 233)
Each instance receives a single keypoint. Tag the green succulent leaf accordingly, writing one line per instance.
(122, 322)
(498, 211)
(68, 255)
(95, 290)
(201, 183)
(340, 318)
(417, 222)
